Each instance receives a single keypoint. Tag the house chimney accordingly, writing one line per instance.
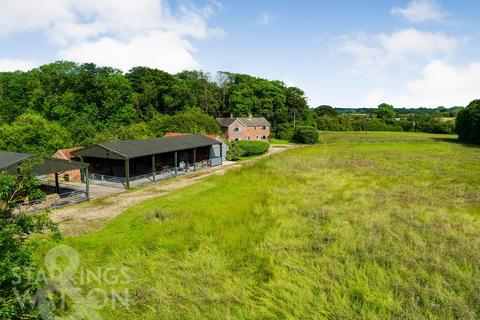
(231, 115)
(250, 116)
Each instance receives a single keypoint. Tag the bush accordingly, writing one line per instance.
(234, 152)
(468, 123)
(307, 135)
(252, 148)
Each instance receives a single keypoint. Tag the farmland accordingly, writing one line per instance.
(377, 225)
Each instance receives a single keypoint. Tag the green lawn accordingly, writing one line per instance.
(361, 226)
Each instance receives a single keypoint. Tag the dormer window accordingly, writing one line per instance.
(236, 129)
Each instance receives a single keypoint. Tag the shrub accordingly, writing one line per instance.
(307, 135)
(379, 125)
(252, 148)
(234, 152)
(468, 123)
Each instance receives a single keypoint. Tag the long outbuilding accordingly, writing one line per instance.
(149, 160)
(10, 162)
(42, 167)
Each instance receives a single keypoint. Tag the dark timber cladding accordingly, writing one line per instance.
(133, 158)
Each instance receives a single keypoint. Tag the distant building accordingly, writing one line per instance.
(66, 154)
(250, 128)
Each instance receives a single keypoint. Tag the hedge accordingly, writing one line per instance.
(253, 148)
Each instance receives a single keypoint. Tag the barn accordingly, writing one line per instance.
(137, 162)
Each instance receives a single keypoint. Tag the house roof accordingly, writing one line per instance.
(247, 122)
(10, 161)
(225, 122)
(140, 148)
(68, 152)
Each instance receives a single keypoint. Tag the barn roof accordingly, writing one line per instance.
(139, 148)
(10, 161)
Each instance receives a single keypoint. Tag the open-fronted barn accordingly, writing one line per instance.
(48, 171)
(143, 161)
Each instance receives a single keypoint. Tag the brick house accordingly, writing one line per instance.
(66, 154)
(250, 128)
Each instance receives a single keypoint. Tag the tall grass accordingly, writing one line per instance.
(373, 226)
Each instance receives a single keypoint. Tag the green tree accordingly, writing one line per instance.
(325, 110)
(468, 123)
(386, 112)
(189, 121)
(32, 133)
(19, 276)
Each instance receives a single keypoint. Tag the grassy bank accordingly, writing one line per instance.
(377, 225)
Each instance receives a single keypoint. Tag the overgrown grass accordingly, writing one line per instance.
(362, 226)
(279, 141)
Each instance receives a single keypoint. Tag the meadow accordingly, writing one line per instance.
(360, 226)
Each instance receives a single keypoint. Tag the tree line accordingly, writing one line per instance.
(65, 104)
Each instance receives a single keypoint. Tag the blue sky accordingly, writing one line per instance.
(343, 53)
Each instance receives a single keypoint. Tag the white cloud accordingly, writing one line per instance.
(165, 51)
(265, 19)
(398, 47)
(418, 11)
(121, 32)
(440, 84)
(16, 65)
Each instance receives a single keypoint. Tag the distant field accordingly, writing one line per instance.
(361, 226)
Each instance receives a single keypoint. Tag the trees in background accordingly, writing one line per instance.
(468, 123)
(386, 113)
(32, 133)
(77, 104)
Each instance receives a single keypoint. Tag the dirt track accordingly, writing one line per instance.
(91, 216)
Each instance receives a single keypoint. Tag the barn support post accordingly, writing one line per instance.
(194, 159)
(57, 184)
(221, 153)
(82, 172)
(153, 168)
(175, 160)
(127, 174)
(87, 183)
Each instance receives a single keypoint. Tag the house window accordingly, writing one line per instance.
(258, 138)
(236, 129)
(264, 127)
(248, 138)
(264, 138)
(236, 139)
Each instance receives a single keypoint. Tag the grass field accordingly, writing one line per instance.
(361, 226)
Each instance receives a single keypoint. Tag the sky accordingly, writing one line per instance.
(409, 53)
